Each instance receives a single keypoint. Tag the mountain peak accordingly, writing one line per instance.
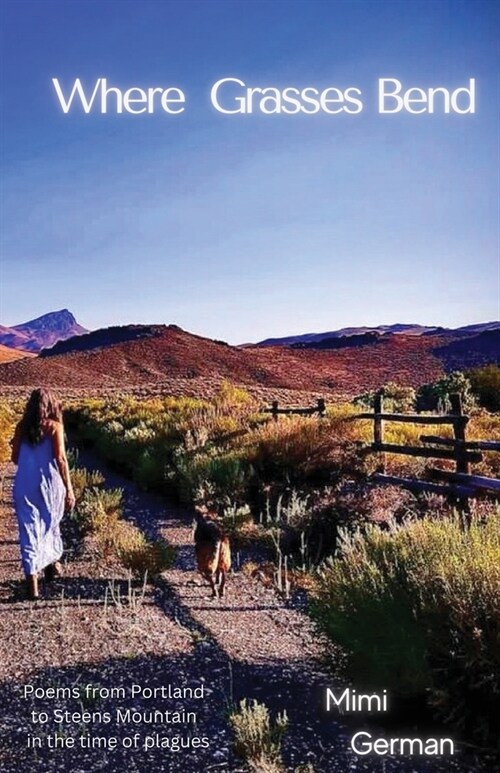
(42, 332)
(53, 320)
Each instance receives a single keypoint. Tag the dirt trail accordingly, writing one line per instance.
(92, 627)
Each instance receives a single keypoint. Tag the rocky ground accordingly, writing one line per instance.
(95, 627)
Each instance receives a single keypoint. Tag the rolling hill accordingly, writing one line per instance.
(159, 356)
(132, 356)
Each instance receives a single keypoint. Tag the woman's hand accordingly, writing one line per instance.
(15, 444)
(70, 500)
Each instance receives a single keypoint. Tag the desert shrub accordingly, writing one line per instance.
(400, 433)
(292, 509)
(215, 421)
(210, 476)
(234, 399)
(436, 395)
(186, 445)
(239, 524)
(83, 479)
(376, 504)
(360, 609)
(397, 399)
(418, 610)
(146, 438)
(294, 449)
(99, 513)
(224, 475)
(140, 555)
(485, 385)
(149, 468)
(257, 739)
(99, 510)
(485, 426)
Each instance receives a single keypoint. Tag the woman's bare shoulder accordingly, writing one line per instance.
(51, 427)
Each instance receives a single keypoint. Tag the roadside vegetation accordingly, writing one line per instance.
(485, 383)
(98, 513)
(410, 595)
(257, 738)
(418, 610)
(304, 476)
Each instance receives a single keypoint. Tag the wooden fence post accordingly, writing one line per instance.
(274, 410)
(321, 407)
(378, 427)
(459, 425)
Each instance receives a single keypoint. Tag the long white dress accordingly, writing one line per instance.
(39, 497)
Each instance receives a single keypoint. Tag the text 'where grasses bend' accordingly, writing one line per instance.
(232, 96)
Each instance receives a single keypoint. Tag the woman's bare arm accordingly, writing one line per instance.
(16, 443)
(62, 461)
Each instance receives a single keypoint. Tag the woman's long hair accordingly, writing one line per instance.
(41, 406)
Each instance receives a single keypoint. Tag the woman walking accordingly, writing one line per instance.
(42, 487)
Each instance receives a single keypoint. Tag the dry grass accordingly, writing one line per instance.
(257, 739)
(140, 555)
(83, 479)
(8, 419)
(100, 514)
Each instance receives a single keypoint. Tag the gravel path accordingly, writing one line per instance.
(95, 628)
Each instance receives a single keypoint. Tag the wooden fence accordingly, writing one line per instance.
(275, 410)
(460, 482)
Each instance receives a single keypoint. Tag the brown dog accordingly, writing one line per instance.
(212, 550)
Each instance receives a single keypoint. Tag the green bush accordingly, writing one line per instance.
(149, 469)
(417, 609)
(361, 605)
(397, 399)
(437, 395)
(485, 384)
(209, 476)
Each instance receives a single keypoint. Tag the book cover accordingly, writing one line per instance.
(249, 386)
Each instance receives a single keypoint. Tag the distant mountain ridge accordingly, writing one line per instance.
(42, 332)
(349, 362)
(146, 356)
(320, 340)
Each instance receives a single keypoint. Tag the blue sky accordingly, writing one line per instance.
(243, 227)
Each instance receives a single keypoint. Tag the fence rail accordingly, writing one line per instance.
(473, 445)
(460, 482)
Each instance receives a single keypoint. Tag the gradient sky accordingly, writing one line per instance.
(244, 227)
